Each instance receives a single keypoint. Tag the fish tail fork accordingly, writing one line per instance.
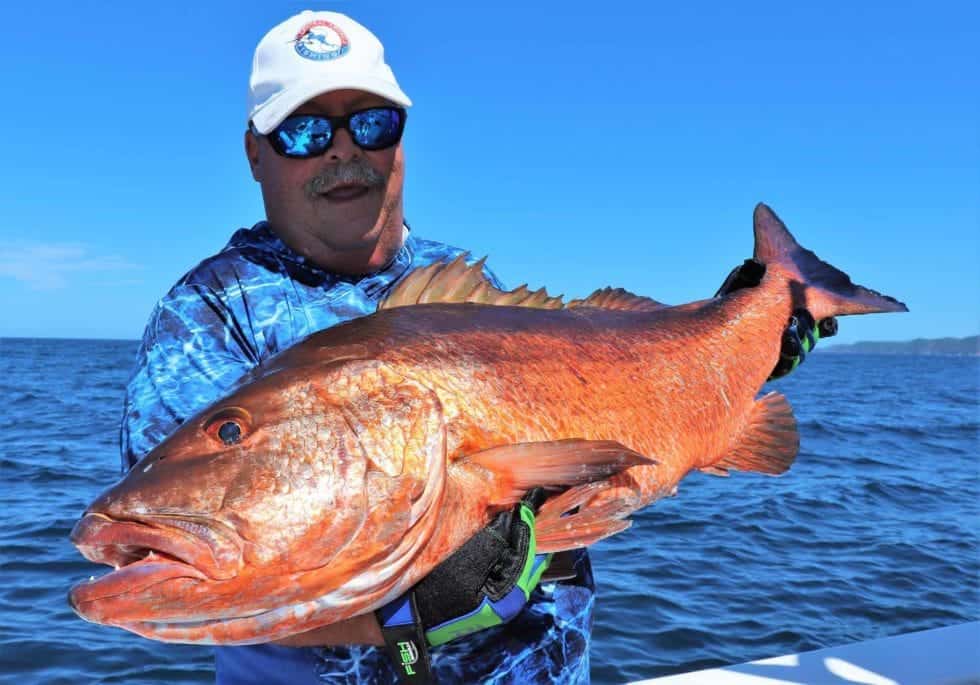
(817, 286)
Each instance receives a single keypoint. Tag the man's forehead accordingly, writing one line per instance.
(338, 102)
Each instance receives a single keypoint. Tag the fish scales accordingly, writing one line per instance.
(503, 382)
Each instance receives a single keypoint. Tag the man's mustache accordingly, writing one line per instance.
(355, 172)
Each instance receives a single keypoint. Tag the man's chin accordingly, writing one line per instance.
(350, 224)
(349, 242)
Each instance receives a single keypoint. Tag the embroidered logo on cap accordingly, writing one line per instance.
(321, 40)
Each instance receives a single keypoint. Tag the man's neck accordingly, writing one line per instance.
(356, 262)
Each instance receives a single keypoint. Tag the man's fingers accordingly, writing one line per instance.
(828, 327)
(535, 498)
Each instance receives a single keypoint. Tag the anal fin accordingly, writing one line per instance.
(769, 442)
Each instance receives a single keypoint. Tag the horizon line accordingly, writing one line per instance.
(823, 346)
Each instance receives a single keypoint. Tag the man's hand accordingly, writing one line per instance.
(802, 332)
(488, 580)
(485, 583)
(799, 339)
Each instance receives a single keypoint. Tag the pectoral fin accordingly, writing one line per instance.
(577, 517)
(515, 469)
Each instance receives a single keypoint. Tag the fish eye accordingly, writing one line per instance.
(230, 425)
(230, 433)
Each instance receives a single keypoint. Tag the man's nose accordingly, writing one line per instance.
(343, 148)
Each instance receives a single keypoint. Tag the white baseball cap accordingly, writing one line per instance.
(314, 53)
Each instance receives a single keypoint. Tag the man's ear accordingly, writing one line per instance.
(252, 153)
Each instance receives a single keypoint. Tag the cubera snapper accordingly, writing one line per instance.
(344, 469)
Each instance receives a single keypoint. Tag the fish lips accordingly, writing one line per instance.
(149, 551)
(203, 544)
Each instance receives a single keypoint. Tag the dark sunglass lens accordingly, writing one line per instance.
(303, 136)
(375, 129)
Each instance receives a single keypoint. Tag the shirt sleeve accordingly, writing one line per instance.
(193, 352)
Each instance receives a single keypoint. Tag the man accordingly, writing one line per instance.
(325, 121)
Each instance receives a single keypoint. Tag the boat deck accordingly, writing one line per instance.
(944, 656)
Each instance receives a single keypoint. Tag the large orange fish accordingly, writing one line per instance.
(344, 469)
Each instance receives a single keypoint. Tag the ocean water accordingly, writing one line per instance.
(875, 531)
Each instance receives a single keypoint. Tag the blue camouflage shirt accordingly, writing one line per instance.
(255, 298)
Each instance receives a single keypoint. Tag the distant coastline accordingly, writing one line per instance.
(963, 347)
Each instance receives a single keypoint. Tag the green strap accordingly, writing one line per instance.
(530, 577)
(483, 619)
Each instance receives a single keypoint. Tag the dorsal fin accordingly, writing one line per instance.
(617, 298)
(458, 282)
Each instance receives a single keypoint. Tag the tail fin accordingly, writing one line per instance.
(824, 290)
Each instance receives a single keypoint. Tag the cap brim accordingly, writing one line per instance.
(272, 113)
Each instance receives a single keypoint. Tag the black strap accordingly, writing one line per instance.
(748, 274)
(562, 567)
(405, 640)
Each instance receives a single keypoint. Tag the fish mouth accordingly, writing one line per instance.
(204, 544)
(145, 551)
(150, 549)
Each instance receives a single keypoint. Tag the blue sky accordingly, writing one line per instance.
(577, 144)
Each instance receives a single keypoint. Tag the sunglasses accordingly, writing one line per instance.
(302, 136)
